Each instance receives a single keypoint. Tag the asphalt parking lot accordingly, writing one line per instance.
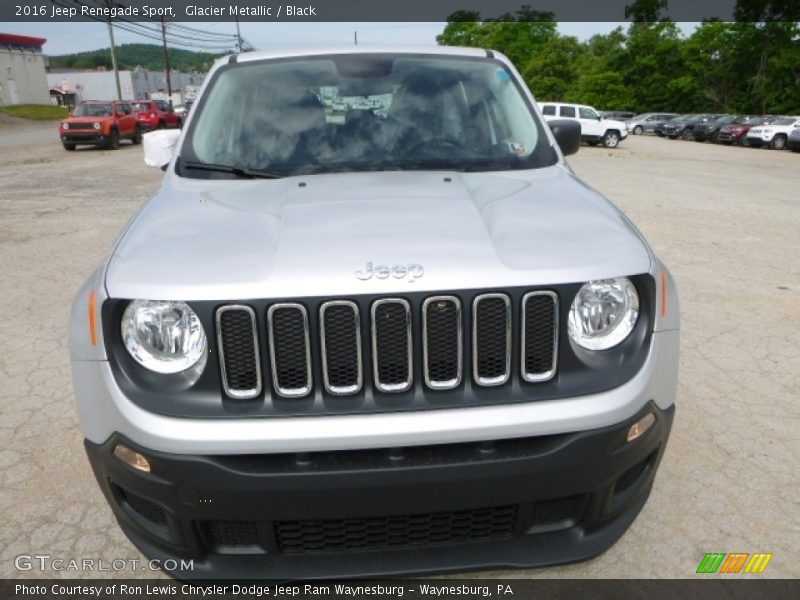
(725, 220)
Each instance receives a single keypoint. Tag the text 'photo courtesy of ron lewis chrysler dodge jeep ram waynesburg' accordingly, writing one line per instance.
(402, 339)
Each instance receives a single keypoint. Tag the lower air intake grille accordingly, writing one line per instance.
(232, 533)
(391, 344)
(143, 507)
(491, 338)
(290, 349)
(336, 535)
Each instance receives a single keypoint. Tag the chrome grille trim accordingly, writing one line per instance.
(341, 390)
(545, 376)
(491, 381)
(452, 383)
(391, 387)
(289, 392)
(238, 393)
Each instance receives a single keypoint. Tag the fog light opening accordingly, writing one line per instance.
(131, 458)
(641, 426)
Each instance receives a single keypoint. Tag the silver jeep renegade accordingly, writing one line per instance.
(372, 323)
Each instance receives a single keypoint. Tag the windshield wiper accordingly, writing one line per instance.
(237, 171)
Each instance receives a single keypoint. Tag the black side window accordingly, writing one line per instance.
(567, 111)
(549, 109)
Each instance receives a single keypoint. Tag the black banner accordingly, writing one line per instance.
(389, 10)
(704, 587)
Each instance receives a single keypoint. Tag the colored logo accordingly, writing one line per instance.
(735, 562)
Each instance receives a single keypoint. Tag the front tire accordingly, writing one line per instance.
(638, 130)
(611, 139)
(137, 136)
(686, 135)
(69, 147)
(778, 142)
(113, 140)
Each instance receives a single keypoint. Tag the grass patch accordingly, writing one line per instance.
(37, 112)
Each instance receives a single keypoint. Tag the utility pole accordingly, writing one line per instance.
(113, 54)
(166, 60)
(238, 35)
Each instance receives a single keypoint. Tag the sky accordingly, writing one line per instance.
(66, 38)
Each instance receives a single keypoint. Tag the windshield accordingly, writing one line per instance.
(365, 112)
(141, 106)
(93, 110)
(784, 121)
(724, 120)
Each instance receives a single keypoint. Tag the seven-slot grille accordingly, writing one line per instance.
(389, 343)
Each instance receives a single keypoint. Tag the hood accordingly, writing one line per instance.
(72, 120)
(419, 231)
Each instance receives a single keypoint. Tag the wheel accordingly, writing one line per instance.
(686, 135)
(638, 130)
(69, 147)
(137, 136)
(743, 141)
(113, 140)
(611, 139)
(660, 133)
(778, 142)
(162, 125)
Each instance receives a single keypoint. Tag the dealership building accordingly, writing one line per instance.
(74, 85)
(23, 78)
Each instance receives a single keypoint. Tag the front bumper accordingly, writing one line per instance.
(508, 503)
(757, 141)
(88, 137)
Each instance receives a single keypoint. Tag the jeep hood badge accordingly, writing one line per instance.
(411, 272)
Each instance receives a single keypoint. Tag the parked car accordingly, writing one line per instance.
(594, 129)
(736, 131)
(775, 134)
(364, 346)
(683, 129)
(793, 143)
(155, 114)
(708, 131)
(619, 115)
(647, 122)
(95, 123)
(182, 110)
(659, 128)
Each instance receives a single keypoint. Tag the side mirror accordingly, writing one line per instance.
(159, 146)
(568, 135)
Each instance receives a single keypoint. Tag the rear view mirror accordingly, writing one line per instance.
(159, 146)
(568, 135)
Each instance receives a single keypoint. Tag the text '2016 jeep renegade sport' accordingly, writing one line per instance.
(372, 323)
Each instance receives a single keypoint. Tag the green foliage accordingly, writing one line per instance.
(750, 66)
(130, 56)
(37, 112)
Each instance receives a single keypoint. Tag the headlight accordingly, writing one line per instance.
(603, 313)
(65, 125)
(96, 125)
(163, 336)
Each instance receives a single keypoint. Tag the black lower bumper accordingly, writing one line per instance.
(509, 503)
(93, 139)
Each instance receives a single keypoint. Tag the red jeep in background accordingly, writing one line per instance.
(155, 114)
(100, 124)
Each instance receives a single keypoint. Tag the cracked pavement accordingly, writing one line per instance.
(725, 220)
